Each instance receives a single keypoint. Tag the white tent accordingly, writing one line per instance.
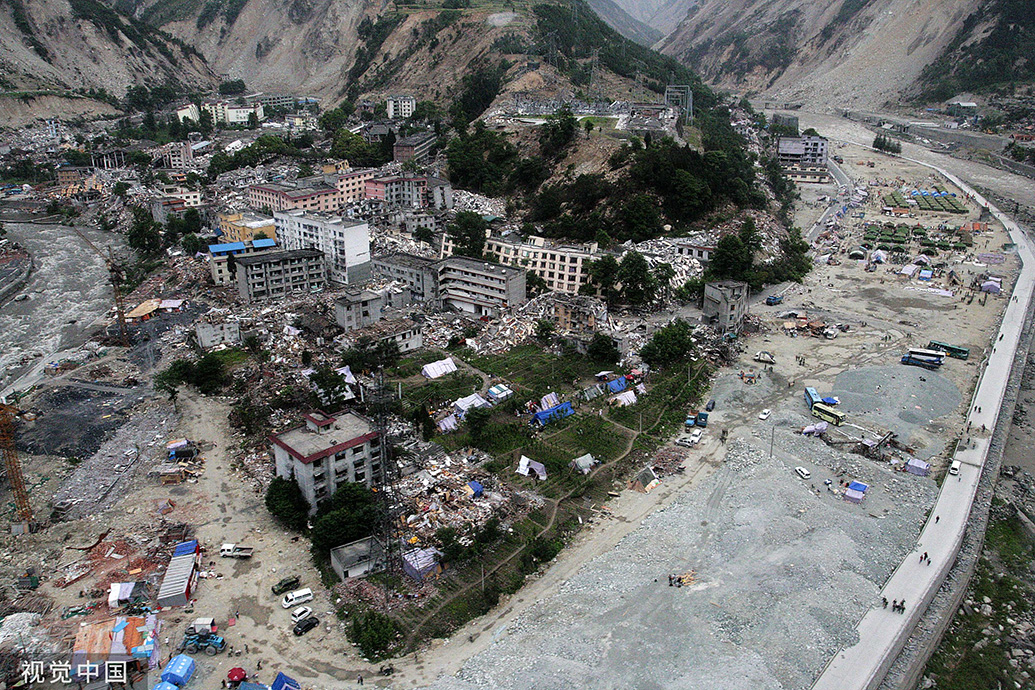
(439, 368)
(462, 405)
(527, 465)
(584, 463)
(625, 398)
(549, 400)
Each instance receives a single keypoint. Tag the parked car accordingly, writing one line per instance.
(304, 626)
(684, 442)
(710, 406)
(695, 437)
(803, 473)
(300, 614)
(286, 585)
(764, 414)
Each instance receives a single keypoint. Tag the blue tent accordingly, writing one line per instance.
(858, 486)
(831, 401)
(557, 412)
(617, 385)
(179, 670)
(245, 685)
(476, 487)
(165, 686)
(282, 682)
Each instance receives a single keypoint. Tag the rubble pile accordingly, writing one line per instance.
(21, 632)
(661, 250)
(482, 205)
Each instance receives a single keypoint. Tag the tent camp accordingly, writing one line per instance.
(499, 393)
(549, 400)
(421, 564)
(447, 424)
(527, 465)
(856, 492)
(439, 368)
(282, 682)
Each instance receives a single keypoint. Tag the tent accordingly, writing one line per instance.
(645, 481)
(591, 392)
(909, 270)
(439, 368)
(879, 256)
(477, 490)
(584, 463)
(461, 406)
(347, 374)
(421, 563)
(121, 592)
(991, 286)
(856, 492)
(180, 576)
(624, 399)
(926, 274)
(499, 393)
(918, 467)
(282, 682)
(527, 465)
(617, 385)
(447, 424)
(549, 400)
(602, 375)
(558, 412)
(814, 429)
(165, 686)
(179, 670)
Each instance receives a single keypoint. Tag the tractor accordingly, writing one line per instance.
(193, 642)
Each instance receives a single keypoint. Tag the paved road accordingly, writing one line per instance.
(882, 633)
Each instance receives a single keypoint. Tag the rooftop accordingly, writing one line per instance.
(478, 265)
(273, 257)
(407, 260)
(344, 431)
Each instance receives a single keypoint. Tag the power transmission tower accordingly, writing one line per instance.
(117, 275)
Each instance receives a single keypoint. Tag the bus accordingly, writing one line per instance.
(951, 350)
(928, 355)
(811, 397)
(828, 414)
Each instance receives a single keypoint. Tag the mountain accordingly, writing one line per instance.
(832, 53)
(85, 46)
(624, 23)
(662, 15)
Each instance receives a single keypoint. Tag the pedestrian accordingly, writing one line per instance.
(921, 558)
(258, 666)
(884, 601)
(894, 604)
(245, 647)
(926, 557)
(359, 679)
(937, 518)
(902, 606)
(223, 681)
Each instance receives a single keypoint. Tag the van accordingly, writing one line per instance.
(803, 473)
(299, 596)
(954, 468)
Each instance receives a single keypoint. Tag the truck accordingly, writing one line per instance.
(912, 361)
(200, 635)
(702, 419)
(773, 300)
(236, 551)
(765, 357)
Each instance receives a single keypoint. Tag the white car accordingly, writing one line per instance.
(684, 442)
(803, 473)
(695, 437)
(300, 614)
(764, 414)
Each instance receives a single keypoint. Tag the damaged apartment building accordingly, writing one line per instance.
(458, 283)
(375, 315)
(345, 243)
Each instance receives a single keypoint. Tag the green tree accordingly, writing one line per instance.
(587, 125)
(285, 502)
(602, 350)
(423, 421)
(639, 285)
(192, 244)
(731, 259)
(557, 134)
(330, 387)
(639, 218)
(534, 284)
(671, 344)
(232, 87)
(603, 275)
(120, 188)
(253, 120)
(191, 221)
(477, 419)
(374, 632)
(355, 149)
(468, 232)
(424, 234)
(143, 232)
(349, 514)
(544, 330)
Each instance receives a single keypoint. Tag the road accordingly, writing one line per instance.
(882, 632)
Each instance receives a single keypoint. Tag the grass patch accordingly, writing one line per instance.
(231, 356)
(411, 365)
(441, 391)
(537, 370)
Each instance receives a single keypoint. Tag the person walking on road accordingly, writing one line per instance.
(937, 518)
(884, 601)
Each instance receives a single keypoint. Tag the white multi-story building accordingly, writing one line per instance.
(400, 107)
(223, 112)
(345, 243)
(188, 112)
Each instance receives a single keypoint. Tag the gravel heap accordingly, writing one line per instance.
(782, 574)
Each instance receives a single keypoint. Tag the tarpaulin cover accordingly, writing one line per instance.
(527, 465)
(584, 463)
(591, 392)
(549, 400)
(858, 486)
(476, 487)
(991, 286)
(185, 547)
(165, 686)
(283, 682)
(616, 385)
(831, 401)
(448, 424)
(624, 399)
(177, 443)
(439, 368)
(462, 405)
(558, 412)
(499, 392)
(179, 670)
(346, 372)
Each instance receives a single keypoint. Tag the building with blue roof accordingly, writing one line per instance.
(218, 263)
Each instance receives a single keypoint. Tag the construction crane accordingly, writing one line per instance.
(12, 464)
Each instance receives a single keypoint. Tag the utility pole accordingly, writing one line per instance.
(772, 440)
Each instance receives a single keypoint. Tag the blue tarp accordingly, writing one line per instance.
(185, 547)
(282, 682)
(245, 685)
(179, 670)
(830, 401)
(858, 486)
(165, 686)
(476, 487)
(617, 385)
(264, 244)
(557, 412)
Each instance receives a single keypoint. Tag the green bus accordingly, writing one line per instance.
(951, 350)
(828, 414)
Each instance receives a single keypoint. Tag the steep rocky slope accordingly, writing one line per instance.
(624, 23)
(832, 53)
(663, 15)
(80, 45)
